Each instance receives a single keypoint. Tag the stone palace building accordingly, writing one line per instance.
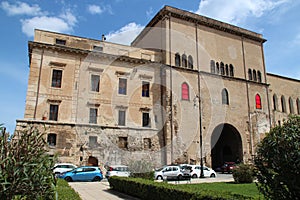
(187, 87)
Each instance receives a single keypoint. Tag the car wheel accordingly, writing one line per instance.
(179, 176)
(69, 179)
(159, 178)
(97, 178)
(213, 176)
(194, 176)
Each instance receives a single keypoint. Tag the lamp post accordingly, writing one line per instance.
(200, 133)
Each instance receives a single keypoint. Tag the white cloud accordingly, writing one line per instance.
(149, 12)
(94, 9)
(126, 34)
(237, 11)
(46, 23)
(21, 8)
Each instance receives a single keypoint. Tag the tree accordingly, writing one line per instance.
(278, 161)
(25, 166)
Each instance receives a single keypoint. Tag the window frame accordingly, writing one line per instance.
(122, 90)
(51, 136)
(145, 89)
(258, 103)
(56, 80)
(212, 66)
(190, 62)
(122, 118)
(225, 96)
(95, 87)
(145, 119)
(275, 102)
(291, 105)
(185, 92)
(53, 112)
(177, 60)
(283, 104)
(184, 61)
(93, 116)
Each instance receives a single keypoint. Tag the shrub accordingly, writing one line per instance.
(25, 167)
(141, 169)
(243, 173)
(278, 161)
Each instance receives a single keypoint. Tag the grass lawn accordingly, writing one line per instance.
(65, 192)
(249, 189)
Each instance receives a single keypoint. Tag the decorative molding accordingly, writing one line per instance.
(57, 64)
(95, 69)
(145, 77)
(146, 109)
(122, 74)
(93, 104)
(52, 101)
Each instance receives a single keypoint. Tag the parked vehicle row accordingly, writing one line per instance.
(179, 171)
(71, 172)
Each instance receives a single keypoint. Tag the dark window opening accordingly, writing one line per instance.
(177, 60)
(56, 78)
(147, 143)
(298, 106)
(283, 105)
(275, 102)
(259, 76)
(254, 75)
(190, 62)
(51, 139)
(60, 42)
(212, 66)
(231, 70)
(218, 68)
(184, 61)
(123, 144)
(226, 70)
(98, 48)
(291, 105)
(145, 89)
(121, 118)
(250, 74)
(146, 120)
(222, 69)
(53, 112)
(225, 98)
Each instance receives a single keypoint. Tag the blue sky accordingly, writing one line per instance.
(121, 21)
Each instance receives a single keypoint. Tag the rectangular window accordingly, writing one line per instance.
(56, 78)
(93, 115)
(147, 143)
(95, 83)
(122, 86)
(145, 89)
(121, 118)
(98, 48)
(122, 142)
(60, 42)
(146, 120)
(53, 112)
(92, 141)
(51, 139)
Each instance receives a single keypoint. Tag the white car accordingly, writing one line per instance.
(63, 167)
(174, 171)
(195, 171)
(117, 170)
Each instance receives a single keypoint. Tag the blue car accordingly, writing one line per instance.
(86, 173)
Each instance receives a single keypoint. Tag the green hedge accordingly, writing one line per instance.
(148, 190)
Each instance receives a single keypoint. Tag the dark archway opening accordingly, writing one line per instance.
(226, 145)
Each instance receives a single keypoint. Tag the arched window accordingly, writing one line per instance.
(185, 91)
(222, 69)
(217, 68)
(291, 105)
(254, 75)
(283, 106)
(177, 60)
(298, 106)
(212, 66)
(226, 70)
(250, 74)
(259, 76)
(231, 70)
(275, 102)
(190, 62)
(257, 101)
(225, 98)
(184, 61)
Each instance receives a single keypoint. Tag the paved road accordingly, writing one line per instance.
(101, 191)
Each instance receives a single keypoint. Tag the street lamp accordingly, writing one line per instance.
(200, 129)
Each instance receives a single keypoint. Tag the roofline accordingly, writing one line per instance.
(201, 20)
(283, 77)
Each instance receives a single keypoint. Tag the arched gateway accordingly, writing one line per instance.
(226, 145)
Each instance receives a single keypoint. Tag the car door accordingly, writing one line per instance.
(167, 171)
(206, 171)
(124, 172)
(78, 174)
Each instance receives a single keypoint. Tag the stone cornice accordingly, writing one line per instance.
(169, 11)
(32, 45)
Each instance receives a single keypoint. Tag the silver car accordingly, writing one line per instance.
(172, 171)
(117, 170)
